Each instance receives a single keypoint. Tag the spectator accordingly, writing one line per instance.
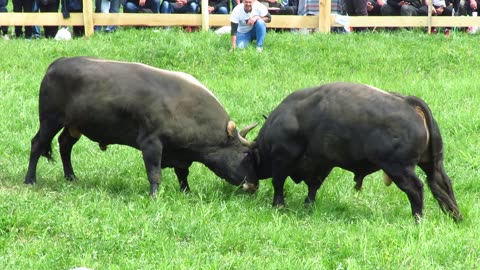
(3, 8)
(235, 3)
(27, 7)
(35, 28)
(285, 7)
(179, 6)
(405, 8)
(308, 7)
(48, 6)
(142, 6)
(218, 6)
(472, 6)
(74, 6)
(442, 8)
(248, 23)
(374, 7)
(357, 8)
(337, 7)
(112, 6)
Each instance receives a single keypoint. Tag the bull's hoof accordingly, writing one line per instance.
(308, 201)
(185, 189)
(30, 181)
(358, 187)
(418, 218)
(153, 190)
(278, 203)
(71, 177)
(250, 187)
(457, 217)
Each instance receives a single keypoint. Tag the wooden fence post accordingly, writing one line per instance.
(205, 15)
(324, 23)
(429, 17)
(88, 17)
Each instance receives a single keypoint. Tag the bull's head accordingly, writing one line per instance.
(239, 162)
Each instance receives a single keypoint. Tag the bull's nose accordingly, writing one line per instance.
(249, 187)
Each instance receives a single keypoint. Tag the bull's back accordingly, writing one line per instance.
(344, 121)
(91, 93)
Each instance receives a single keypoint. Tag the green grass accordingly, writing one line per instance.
(106, 220)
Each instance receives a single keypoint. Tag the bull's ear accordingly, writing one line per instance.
(231, 128)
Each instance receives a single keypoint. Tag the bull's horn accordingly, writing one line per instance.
(243, 133)
(246, 142)
(247, 129)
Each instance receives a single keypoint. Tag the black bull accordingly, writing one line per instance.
(169, 116)
(358, 128)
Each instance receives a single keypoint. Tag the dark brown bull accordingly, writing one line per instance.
(361, 129)
(169, 116)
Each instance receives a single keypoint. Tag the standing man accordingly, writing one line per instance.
(248, 23)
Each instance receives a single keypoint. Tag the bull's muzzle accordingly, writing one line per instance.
(249, 187)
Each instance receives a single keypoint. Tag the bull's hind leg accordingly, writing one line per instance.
(406, 179)
(41, 144)
(441, 187)
(182, 174)
(358, 178)
(152, 157)
(66, 142)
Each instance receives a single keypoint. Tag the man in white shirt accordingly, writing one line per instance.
(248, 23)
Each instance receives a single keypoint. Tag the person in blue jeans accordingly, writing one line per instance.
(139, 6)
(218, 6)
(114, 8)
(3, 8)
(248, 22)
(179, 6)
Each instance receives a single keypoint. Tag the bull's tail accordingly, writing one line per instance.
(432, 163)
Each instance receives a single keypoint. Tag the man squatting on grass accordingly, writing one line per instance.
(248, 22)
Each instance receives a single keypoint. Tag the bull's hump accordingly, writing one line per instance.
(174, 74)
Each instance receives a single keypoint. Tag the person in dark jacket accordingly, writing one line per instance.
(374, 7)
(3, 8)
(27, 7)
(49, 6)
(405, 8)
(218, 6)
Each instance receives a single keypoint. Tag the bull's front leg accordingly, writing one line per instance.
(315, 183)
(278, 181)
(152, 157)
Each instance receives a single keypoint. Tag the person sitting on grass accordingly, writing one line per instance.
(248, 23)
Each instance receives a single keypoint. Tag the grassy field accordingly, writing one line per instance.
(106, 220)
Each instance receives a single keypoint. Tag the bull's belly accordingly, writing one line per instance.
(311, 168)
(105, 135)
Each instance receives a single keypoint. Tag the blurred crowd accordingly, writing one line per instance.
(282, 7)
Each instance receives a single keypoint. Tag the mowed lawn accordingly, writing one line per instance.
(106, 220)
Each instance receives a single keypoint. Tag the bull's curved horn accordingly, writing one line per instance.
(247, 129)
(244, 132)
